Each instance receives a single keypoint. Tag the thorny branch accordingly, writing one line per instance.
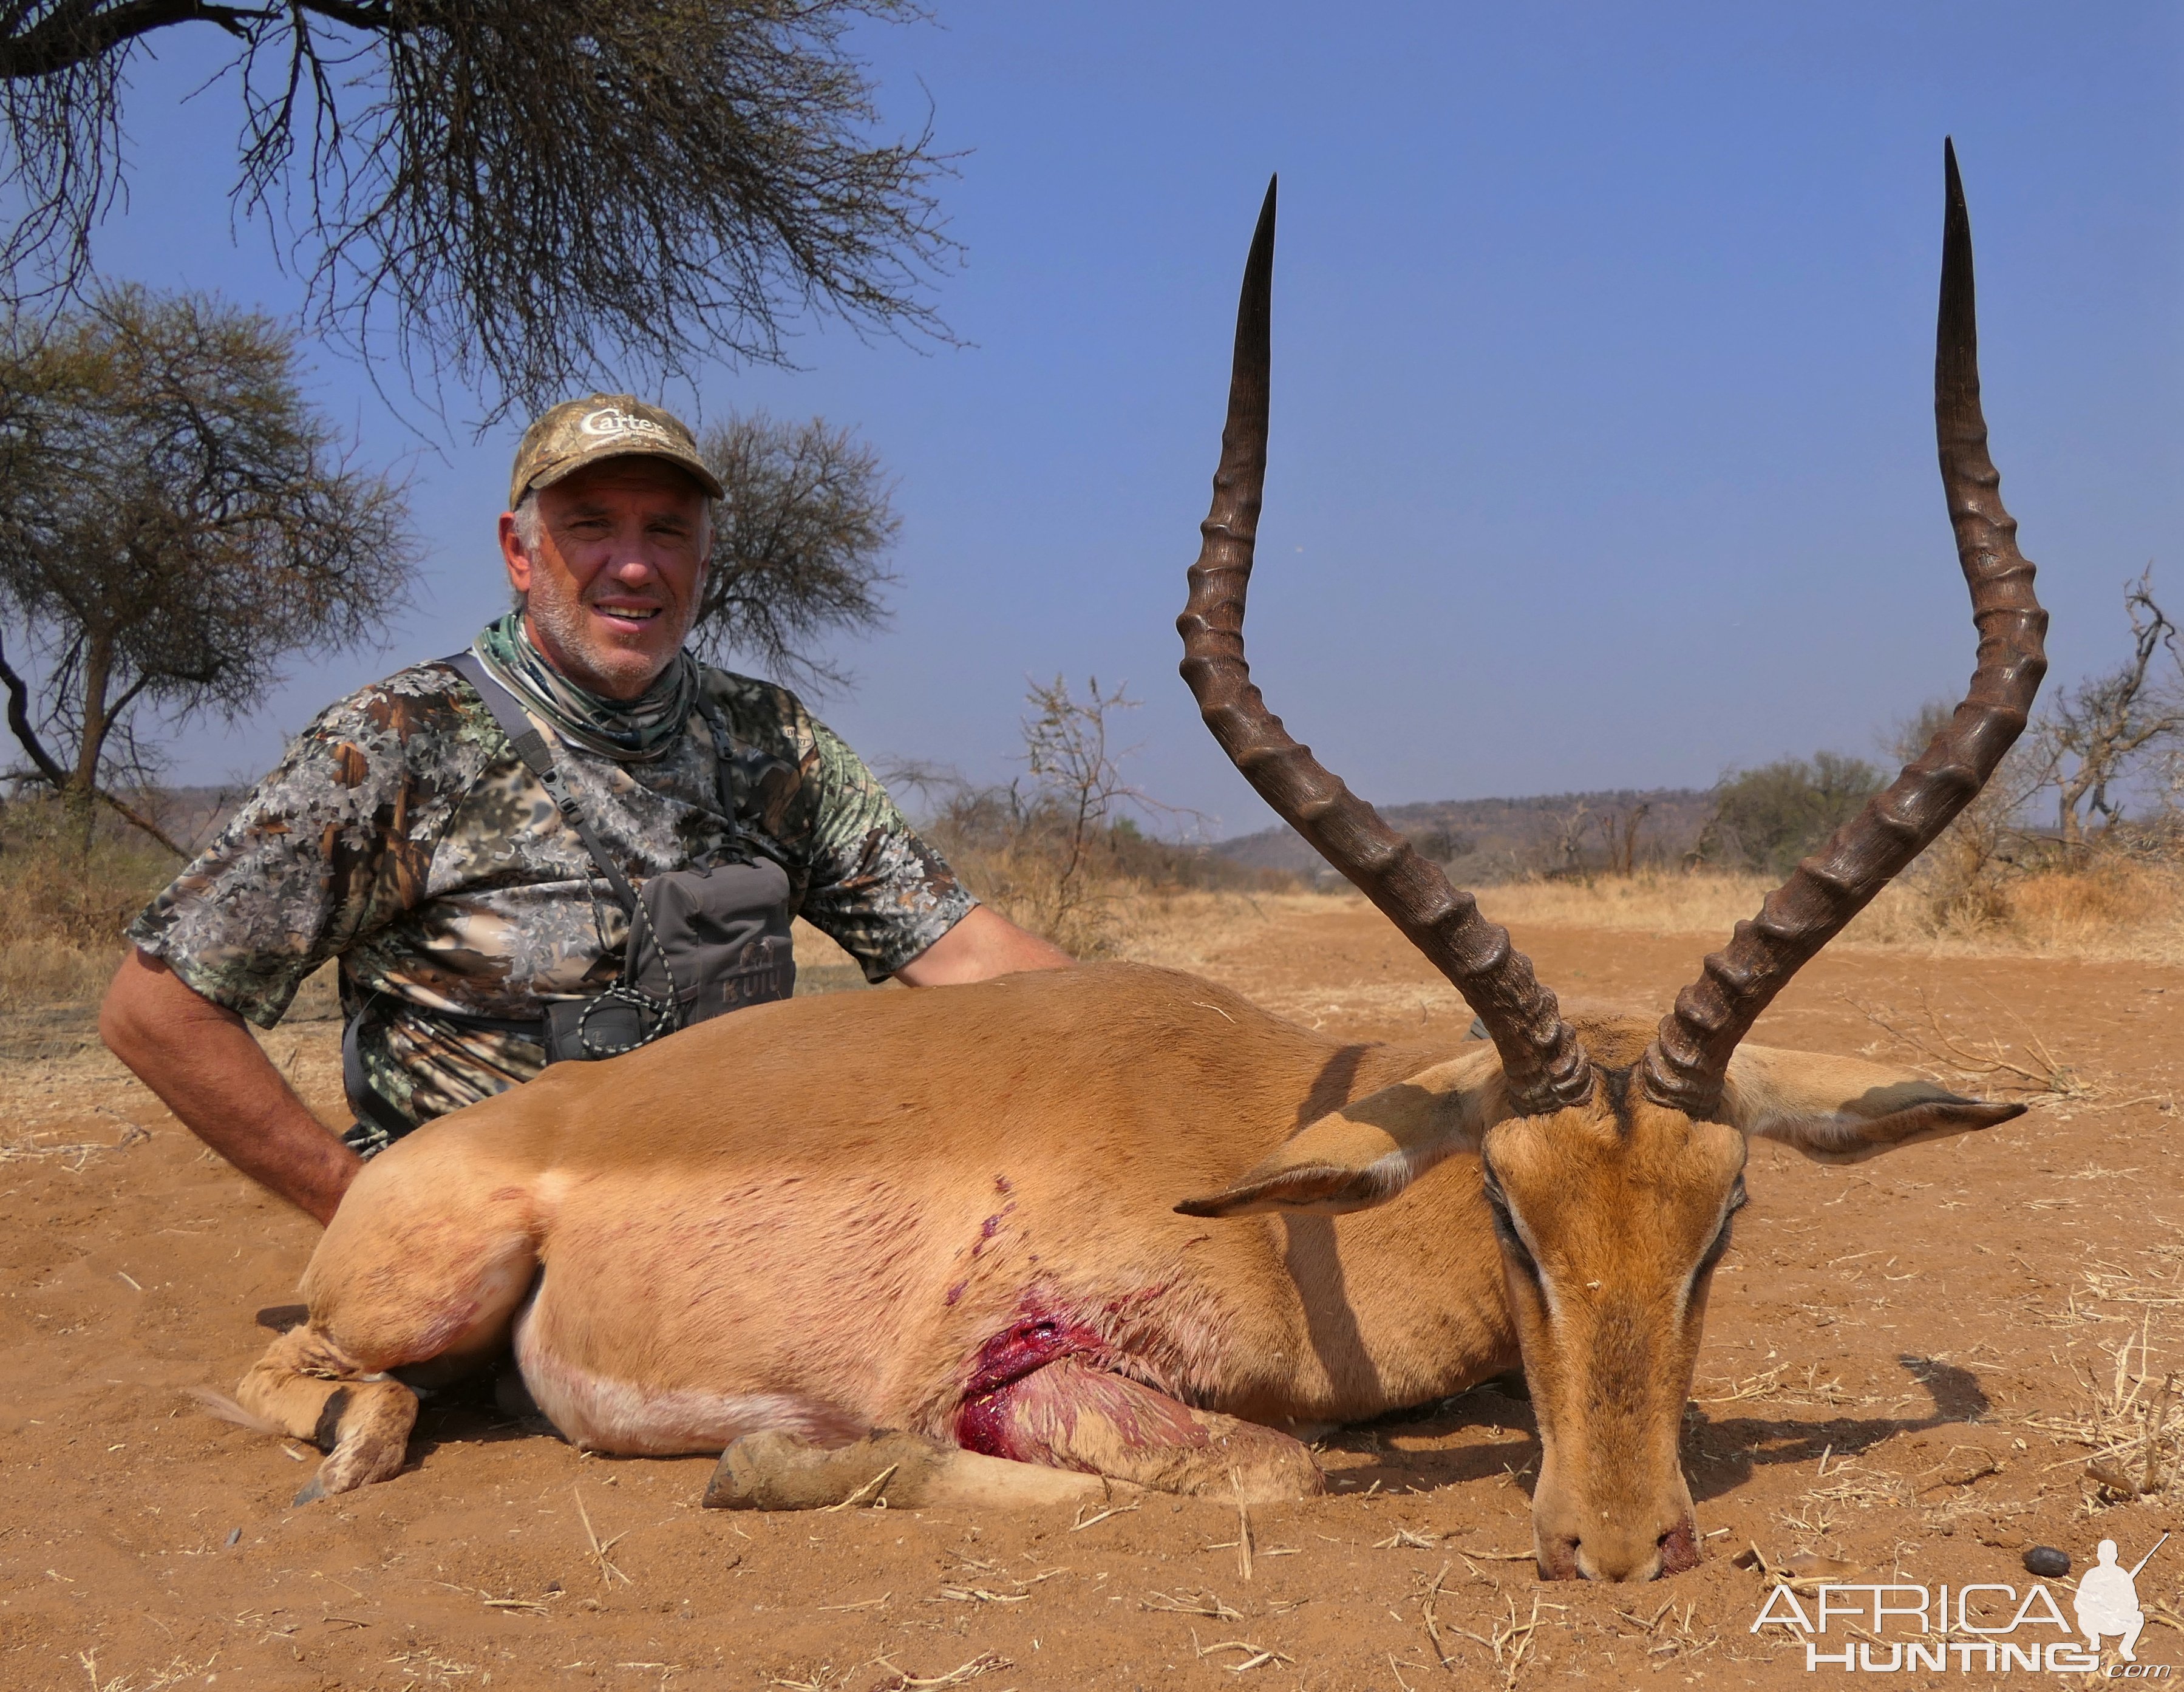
(1938, 1046)
(520, 194)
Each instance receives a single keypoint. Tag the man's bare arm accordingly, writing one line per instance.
(208, 1069)
(985, 944)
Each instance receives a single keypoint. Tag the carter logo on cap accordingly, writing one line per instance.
(613, 420)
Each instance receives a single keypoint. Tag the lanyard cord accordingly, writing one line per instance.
(665, 1017)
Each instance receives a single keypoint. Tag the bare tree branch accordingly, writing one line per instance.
(67, 34)
(138, 819)
(1619, 829)
(526, 196)
(18, 723)
(2096, 729)
(798, 543)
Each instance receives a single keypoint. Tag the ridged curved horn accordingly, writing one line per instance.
(1544, 1065)
(1684, 1064)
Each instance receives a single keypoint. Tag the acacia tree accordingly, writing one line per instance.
(528, 195)
(174, 522)
(1769, 817)
(799, 537)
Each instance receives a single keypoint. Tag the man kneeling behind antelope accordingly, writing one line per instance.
(993, 1218)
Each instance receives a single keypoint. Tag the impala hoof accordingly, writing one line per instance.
(774, 1470)
(889, 1469)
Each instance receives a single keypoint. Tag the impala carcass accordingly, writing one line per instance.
(1117, 1224)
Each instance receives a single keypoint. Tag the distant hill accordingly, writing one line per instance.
(1492, 840)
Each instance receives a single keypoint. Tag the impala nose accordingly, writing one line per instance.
(1623, 1557)
(1680, 1547)
(1617, 1562)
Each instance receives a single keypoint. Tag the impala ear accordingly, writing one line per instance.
(1839, 1110)
(1368, 1151)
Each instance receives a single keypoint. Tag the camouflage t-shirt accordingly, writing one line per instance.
(402, 834)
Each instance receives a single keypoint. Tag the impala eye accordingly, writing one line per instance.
(1497, 1201)
(1505, 1229)
(1737, 1200)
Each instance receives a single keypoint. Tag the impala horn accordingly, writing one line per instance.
(1683, 1066)
(1545, 1067)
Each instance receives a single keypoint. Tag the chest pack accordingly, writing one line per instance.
(701, 943)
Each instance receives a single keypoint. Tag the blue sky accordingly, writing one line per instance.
(1602, 437)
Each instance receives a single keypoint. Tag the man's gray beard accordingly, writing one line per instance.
(564, 631)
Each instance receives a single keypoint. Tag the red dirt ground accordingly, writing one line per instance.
(1937, 1331)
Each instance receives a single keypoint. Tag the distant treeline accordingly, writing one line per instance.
(1505, 839)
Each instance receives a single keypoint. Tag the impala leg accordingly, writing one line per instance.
(1070, 1416)
(447, 1308)
(774, 1470)
(308, 1388)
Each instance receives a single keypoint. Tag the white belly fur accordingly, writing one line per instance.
(599, 1413)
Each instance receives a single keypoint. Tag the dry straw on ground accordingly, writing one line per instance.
(2120, 910)
(2113, 908)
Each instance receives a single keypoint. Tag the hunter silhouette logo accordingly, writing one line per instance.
(2107, 1600)
(1981, 1626)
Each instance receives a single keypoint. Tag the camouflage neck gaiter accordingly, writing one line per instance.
(632, 730)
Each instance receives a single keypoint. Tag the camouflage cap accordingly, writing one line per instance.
(602, 425)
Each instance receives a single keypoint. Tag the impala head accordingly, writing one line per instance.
(1611, 1154)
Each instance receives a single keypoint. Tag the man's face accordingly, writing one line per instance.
(613, 579)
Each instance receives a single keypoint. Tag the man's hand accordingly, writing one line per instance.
(208, 1069)
(985, 944)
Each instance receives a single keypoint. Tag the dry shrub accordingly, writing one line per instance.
(1032, 882)
(62, 910)
(2062, 901)
(2090, 909)
(2107, 904)
(1112, 897)
(1959, 886)
(1060, 855)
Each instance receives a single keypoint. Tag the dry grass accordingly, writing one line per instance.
(2037, 1070)
(38, 972)
(1647, 902)
(1082, 911)
(2133, 1446)
(62, 913)
(62, 910)
(2117, 910)
(2126, 1425)
(1188, 930)
(2085, 915)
